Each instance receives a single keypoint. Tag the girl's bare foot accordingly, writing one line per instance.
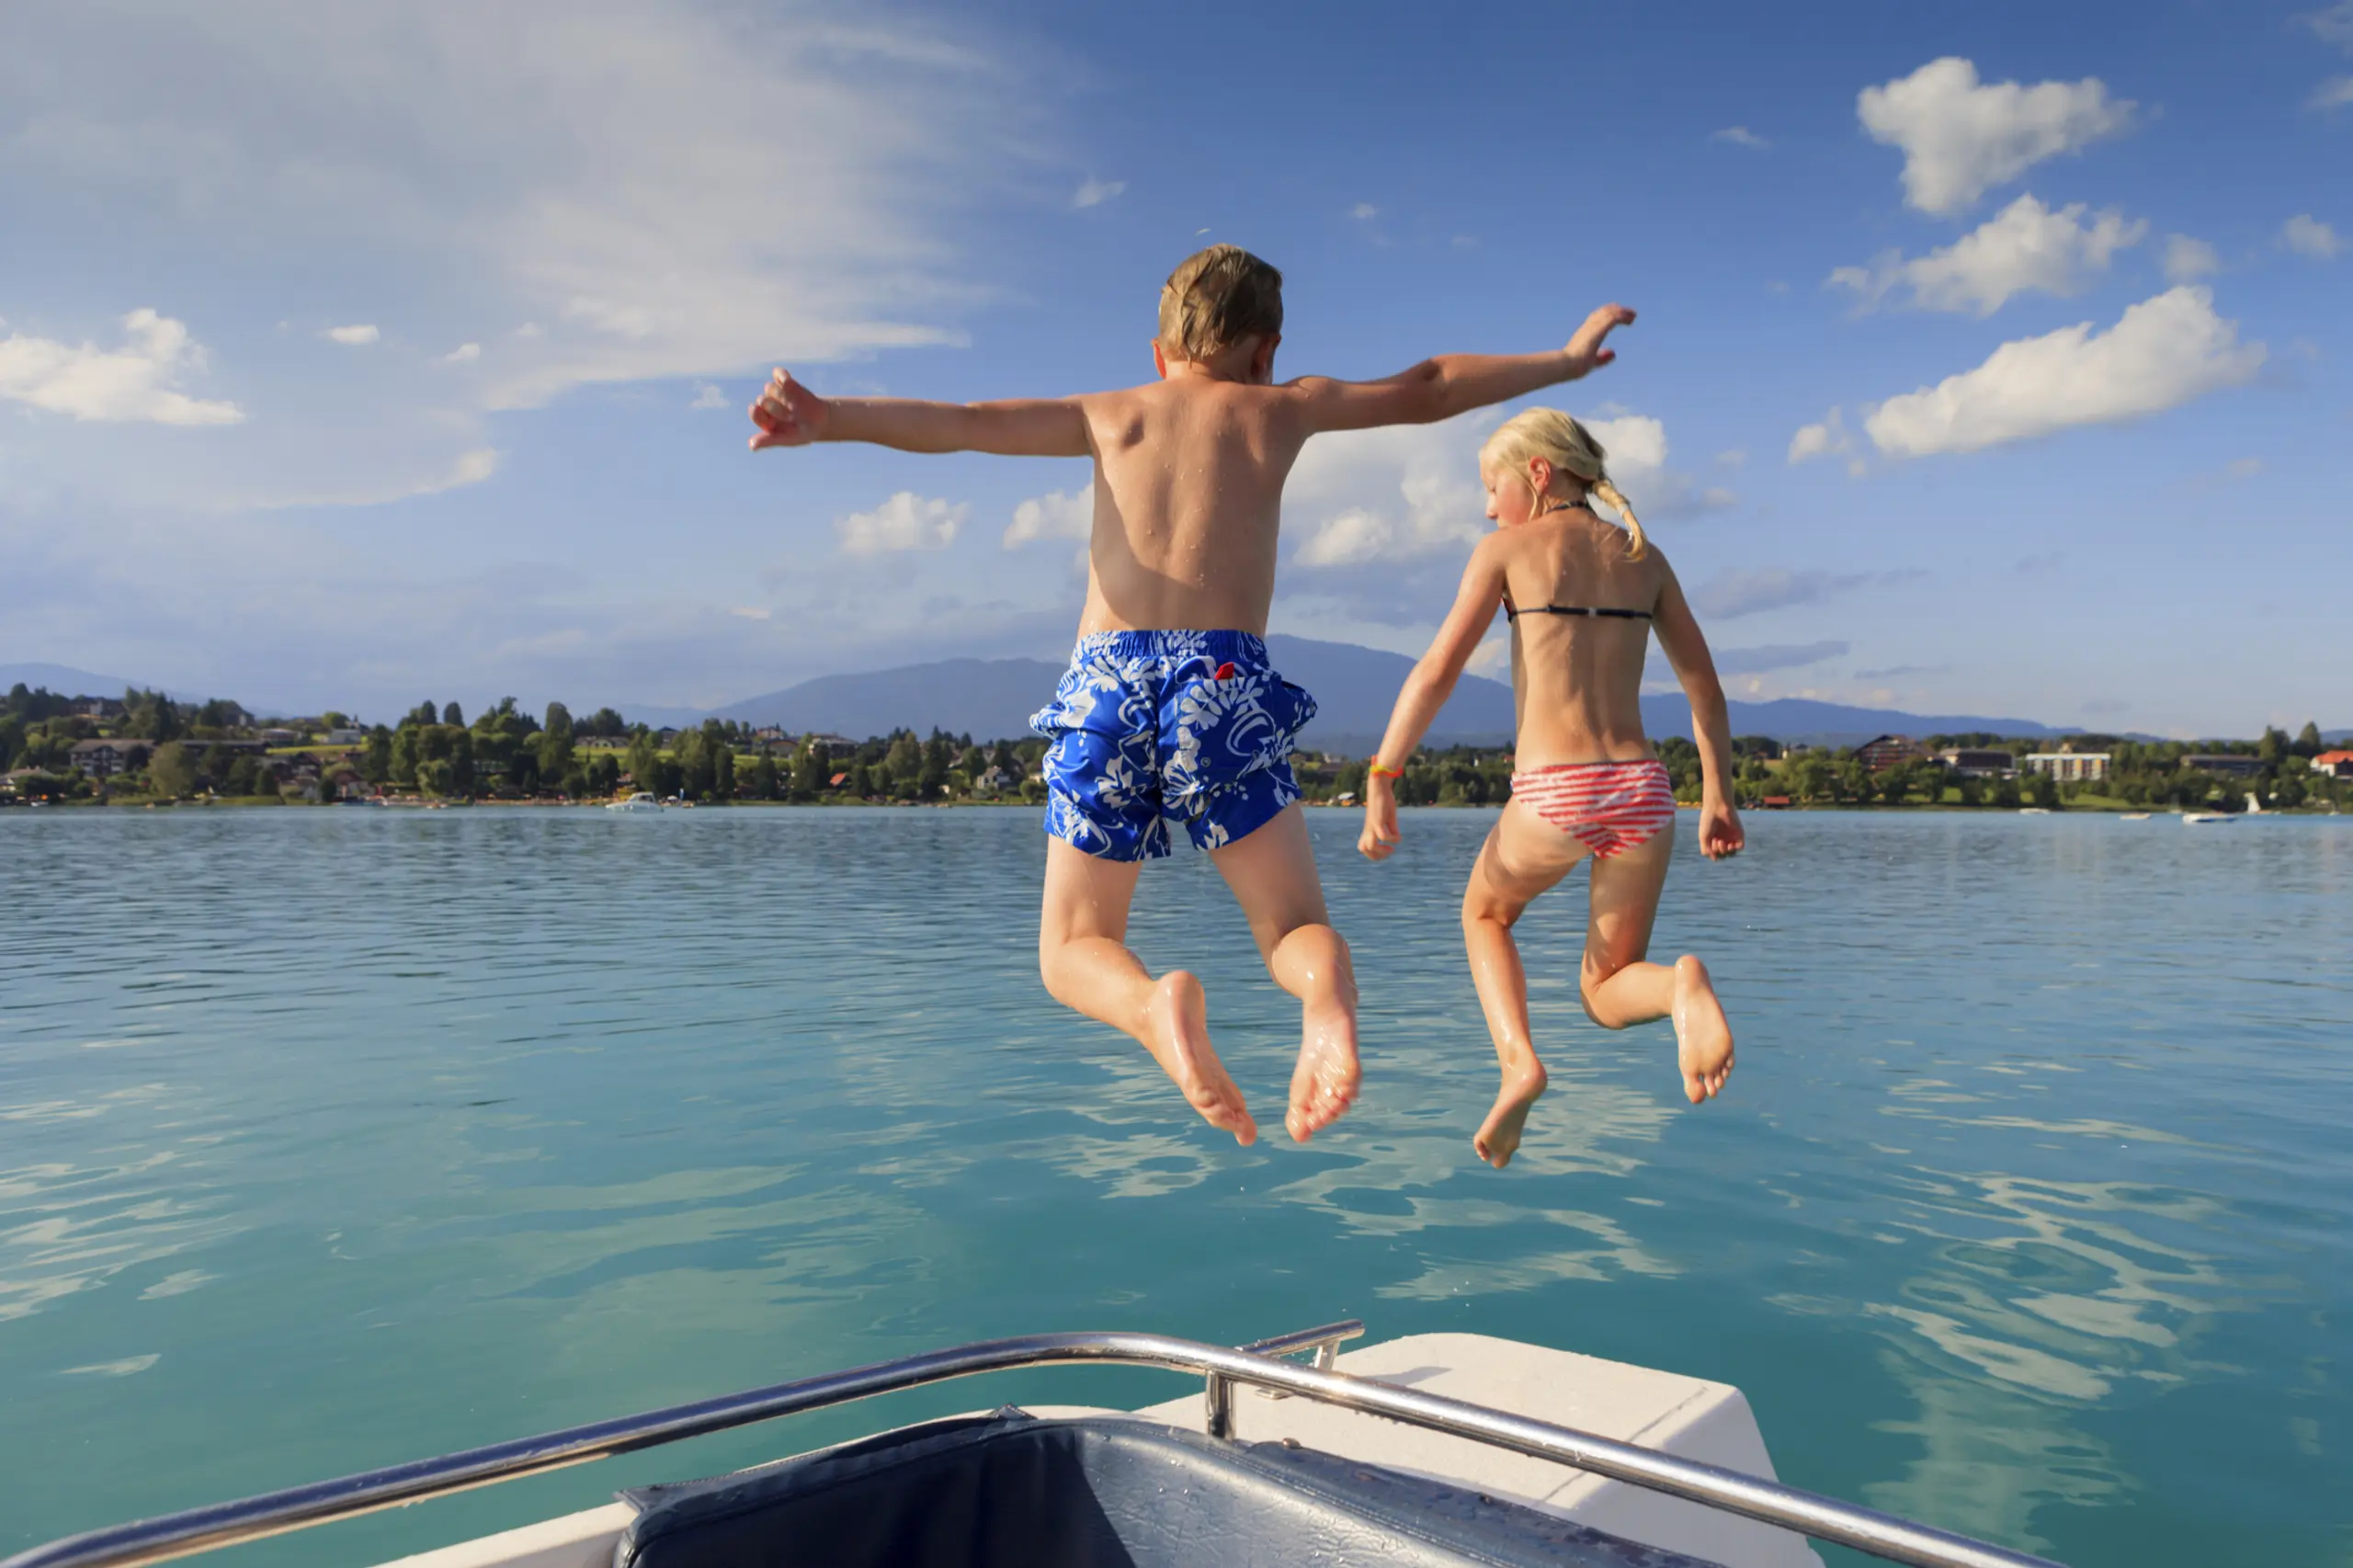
(1324, 1084)
(1176, 1032)
(1702, 1033)
(1498, 1137)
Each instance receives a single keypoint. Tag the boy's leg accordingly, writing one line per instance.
(1620, 987)
(1272, 873)
(1083, 956)
(1523, 856)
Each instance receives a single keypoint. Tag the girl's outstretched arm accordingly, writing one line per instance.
(1686, 650)
(1427, 690)
(790, 415)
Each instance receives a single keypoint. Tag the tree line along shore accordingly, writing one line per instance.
(146, 749)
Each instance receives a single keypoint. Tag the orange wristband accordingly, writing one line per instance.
(1375, 768)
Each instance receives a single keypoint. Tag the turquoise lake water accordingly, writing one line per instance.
(332, 1138)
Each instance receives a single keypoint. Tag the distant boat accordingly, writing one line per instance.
(2199, 818)
(643, 800)
(2034, 811)
(2134, 816)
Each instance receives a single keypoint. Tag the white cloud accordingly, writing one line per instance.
(2334, 93)
(1353, 537)
(1740, 136)
(614, 175)
(2025, 245)
(749, 612)
(1363, 211)
(2307, 235)
(1826, 439)
(1731, 595)
(1413, 490)
(2187, 259)
(1961, 137)
(1096, 192)
(1776, 657)
(134, 383)
(1058, 513)
(2334, 25)
(906, 521)
(463, 354)
(708, 395)
(354, 336)
(1402, 491)
(469, 468)
(2163, 353)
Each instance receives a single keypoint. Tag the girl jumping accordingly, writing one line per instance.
(1583, 598)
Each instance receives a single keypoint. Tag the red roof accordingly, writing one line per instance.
(839, 779)
(2333, 756)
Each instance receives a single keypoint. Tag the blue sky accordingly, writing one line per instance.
(1990, 359)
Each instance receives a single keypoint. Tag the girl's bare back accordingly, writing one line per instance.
(1582, 608)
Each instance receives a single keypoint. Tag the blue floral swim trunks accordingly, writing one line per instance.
(1151, 725)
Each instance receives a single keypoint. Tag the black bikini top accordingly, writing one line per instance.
(1512, 612)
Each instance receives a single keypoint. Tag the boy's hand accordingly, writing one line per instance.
(789, 414)
(1585, 350)
(1720, 833)
(1381, 835)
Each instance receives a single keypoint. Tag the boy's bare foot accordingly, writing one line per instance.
(1702, 1033)
(1324, 1084)
(1176, 1032)
(1498, 1139)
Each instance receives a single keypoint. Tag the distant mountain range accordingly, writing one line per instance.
(1354, 688)
(67, 681)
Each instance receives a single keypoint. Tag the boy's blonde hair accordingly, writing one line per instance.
(1215, 298)
(1570, 447)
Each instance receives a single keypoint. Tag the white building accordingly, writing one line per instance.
(2069, 767)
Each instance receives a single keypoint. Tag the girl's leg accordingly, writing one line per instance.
(1083, 956)
(1621, 987)
(1523, 856)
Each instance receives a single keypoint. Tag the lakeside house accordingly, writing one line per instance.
(277, 735)
(2069, 765)
(2336, 764)
(105, 758)
(1882, 752)
(347, 737)
(1979, 761)
(2230, 766)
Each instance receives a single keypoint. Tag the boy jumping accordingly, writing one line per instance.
(1170, 707)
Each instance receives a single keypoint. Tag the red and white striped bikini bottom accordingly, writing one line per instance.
(1610, 807)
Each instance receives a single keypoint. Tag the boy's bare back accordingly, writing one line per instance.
(1189, 484)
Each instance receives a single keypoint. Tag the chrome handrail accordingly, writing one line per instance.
(275, 1513)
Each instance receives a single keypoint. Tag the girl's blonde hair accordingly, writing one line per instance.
(1570, 447)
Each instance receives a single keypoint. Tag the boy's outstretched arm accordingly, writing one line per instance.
(1686, 650)
(790, 415)
(1456, 383)
(1427, 690)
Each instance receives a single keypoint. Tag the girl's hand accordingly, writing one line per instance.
(1585, 350)
(789, 414)
(1380, 835)
(1719, 834)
